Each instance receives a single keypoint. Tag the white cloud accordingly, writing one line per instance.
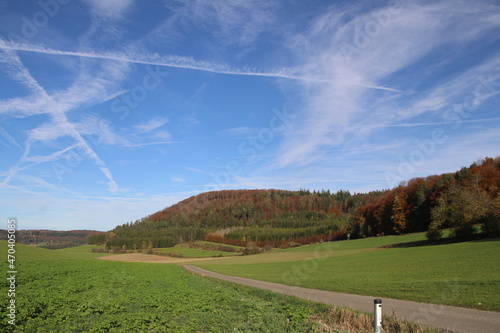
(163, 135)
(151, 125)
(195, 170)
(232, 22)
(85, 90)
(99, 131)
(175, 61)
(238, 131)
(11, 64)
(110, 8)
(475, 85)
(350, 56)
(178, 180)
(8, 138)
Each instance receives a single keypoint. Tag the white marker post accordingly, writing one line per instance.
(377, 322)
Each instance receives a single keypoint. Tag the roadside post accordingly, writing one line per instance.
(377, 322)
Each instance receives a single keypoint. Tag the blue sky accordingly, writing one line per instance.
(112, 110)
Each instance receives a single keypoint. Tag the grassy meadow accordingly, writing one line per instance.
(69, 290)
(184, 250)
(460, 274)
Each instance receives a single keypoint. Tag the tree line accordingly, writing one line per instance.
(461, 200)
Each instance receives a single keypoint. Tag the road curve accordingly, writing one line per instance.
(448, 318)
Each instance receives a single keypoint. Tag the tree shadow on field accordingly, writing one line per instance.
(487, 239)
(448, 240)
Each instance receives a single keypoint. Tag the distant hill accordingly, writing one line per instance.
(52, 239)
(281, 218)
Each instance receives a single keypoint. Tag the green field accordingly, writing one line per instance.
(205, 243)
(58, 291)
(95, 296)
(187, 252)
(69, 290)
(31, 253)
(461, 274)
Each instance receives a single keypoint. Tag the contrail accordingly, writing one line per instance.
(175, 62)
(470, 121)
(60, 118)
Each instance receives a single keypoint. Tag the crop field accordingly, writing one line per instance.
(60, 292)
(92, 296)
(460, 274)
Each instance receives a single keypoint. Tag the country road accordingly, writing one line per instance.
(447, 318)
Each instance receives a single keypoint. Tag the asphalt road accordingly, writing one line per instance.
(447, 318)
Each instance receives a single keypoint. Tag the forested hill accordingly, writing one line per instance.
(276, 217)
(221, 209)
(258, 215)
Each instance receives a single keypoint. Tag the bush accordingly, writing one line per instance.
(463, 232)
(252, 248)
(267, 248)
(434, 235)
(226, 248)
(99, 250)
(491, 224)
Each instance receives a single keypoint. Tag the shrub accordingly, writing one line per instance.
(491, 224)
(463, 232)
(226, 248)
(268, 248)
(252, 248)
(434, 235)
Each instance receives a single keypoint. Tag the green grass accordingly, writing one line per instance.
(461, 274)
(83, 252)
(70, 291)
(98, 296)
(58, 291)
(30, 253)
(202, 243)
(196, 253)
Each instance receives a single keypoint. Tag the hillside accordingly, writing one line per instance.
(271, 216)
(283, 218)
(52, 239)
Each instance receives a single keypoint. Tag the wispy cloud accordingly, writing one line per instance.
(175, 61)
(151, 125)
(232, 22)
(162, 135)
(177, 179)
(349, 64)
(109, 9)
(8, 138)
(195, 170)
(436, 123)
(55, 106)
(28, 161)
(237, 131)
(137, 145)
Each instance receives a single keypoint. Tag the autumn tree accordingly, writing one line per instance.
(460, 207)
(399, 214)
(491, 224)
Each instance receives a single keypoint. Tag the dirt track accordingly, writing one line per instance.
(147, 258)
(447, 318)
